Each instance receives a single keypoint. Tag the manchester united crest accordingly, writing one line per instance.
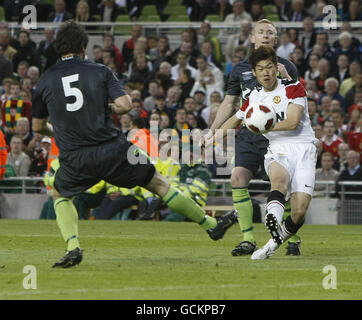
(276, 99)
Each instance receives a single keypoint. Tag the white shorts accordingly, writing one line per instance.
(299, 159)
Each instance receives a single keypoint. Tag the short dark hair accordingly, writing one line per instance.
(71, 38)
(262, 53)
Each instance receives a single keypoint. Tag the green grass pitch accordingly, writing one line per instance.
(174, 260)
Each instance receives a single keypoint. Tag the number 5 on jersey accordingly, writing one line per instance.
(72, 92)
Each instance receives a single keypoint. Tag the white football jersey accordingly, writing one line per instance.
(287, 91)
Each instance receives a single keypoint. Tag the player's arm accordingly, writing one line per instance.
(225, 111)
(294, 116)
(42, 126)
(121, 105)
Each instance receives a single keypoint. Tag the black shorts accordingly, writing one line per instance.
(250, 150)
(79, 170)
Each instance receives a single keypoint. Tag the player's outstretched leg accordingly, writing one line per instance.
(67, 220)
(180, 203)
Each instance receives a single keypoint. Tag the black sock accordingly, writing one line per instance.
(276, 195)
(290, 226)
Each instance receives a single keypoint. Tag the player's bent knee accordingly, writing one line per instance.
(240, 177)
(158, 185)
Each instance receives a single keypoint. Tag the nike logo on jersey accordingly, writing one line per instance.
(308, 186)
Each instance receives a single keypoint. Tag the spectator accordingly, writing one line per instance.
(153, 91)
(205, 30)
(187, 49)
(325, 107)
(223, 8)
(202, 66)
(298, 12)
(354, 11)
(23, 131)
(162, 52)
(180, 122)
(164, 77)
(354, 116)
(313, 70)
(326, 173)
(330, 140)
(331, 90)
(324, 69)
(308, 38)
(352, 173)
(165, 121)
(82, 14)
(346, 27)
(327, 51)
(348, 83)
(294, 37)
(286, 47)
(297, 57)
(341, 72)
(17, 158)
(6, 67)
(22, 71)
(283, 9)
(46, 50)
(108, 44)
(319, 15)
(190, 107)
(242, 38)
(14, 108)
(137, 109)
(256, 11)
(312, 91)
(128, 46)
(355, 138)
(338, 118)
(181, 64)
(318, 131)
(25, 51)
(314, 116)
(97, 54)
(346, 46)
(6, 85)
(239, 54)
(199, 10)
(134, 9)
(186, 83)
(5, 39)
(172, 102)
(108, 11)
(126, 123)
(350, 95)
(341, 162)
(239, 13)
(59, 14)
(206, 50)
(39, 159)
(33, 73)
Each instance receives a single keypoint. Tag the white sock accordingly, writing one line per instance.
(276, 208)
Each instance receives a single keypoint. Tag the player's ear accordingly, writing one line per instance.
(253, 71)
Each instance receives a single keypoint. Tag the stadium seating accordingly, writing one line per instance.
(269, 9)
(173, 3)
(123, 29)
(178, 18)
(272, 17)
(149, 10)
(213, 18)
(149, 18)
(179, 10)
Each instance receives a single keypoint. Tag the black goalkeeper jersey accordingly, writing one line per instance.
(242, 80)
(75, 94)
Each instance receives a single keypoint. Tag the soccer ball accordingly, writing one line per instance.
(260, 118)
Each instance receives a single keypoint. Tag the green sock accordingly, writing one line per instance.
(67, 220)
(287, 211)
(242, 203)
(179, 203)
